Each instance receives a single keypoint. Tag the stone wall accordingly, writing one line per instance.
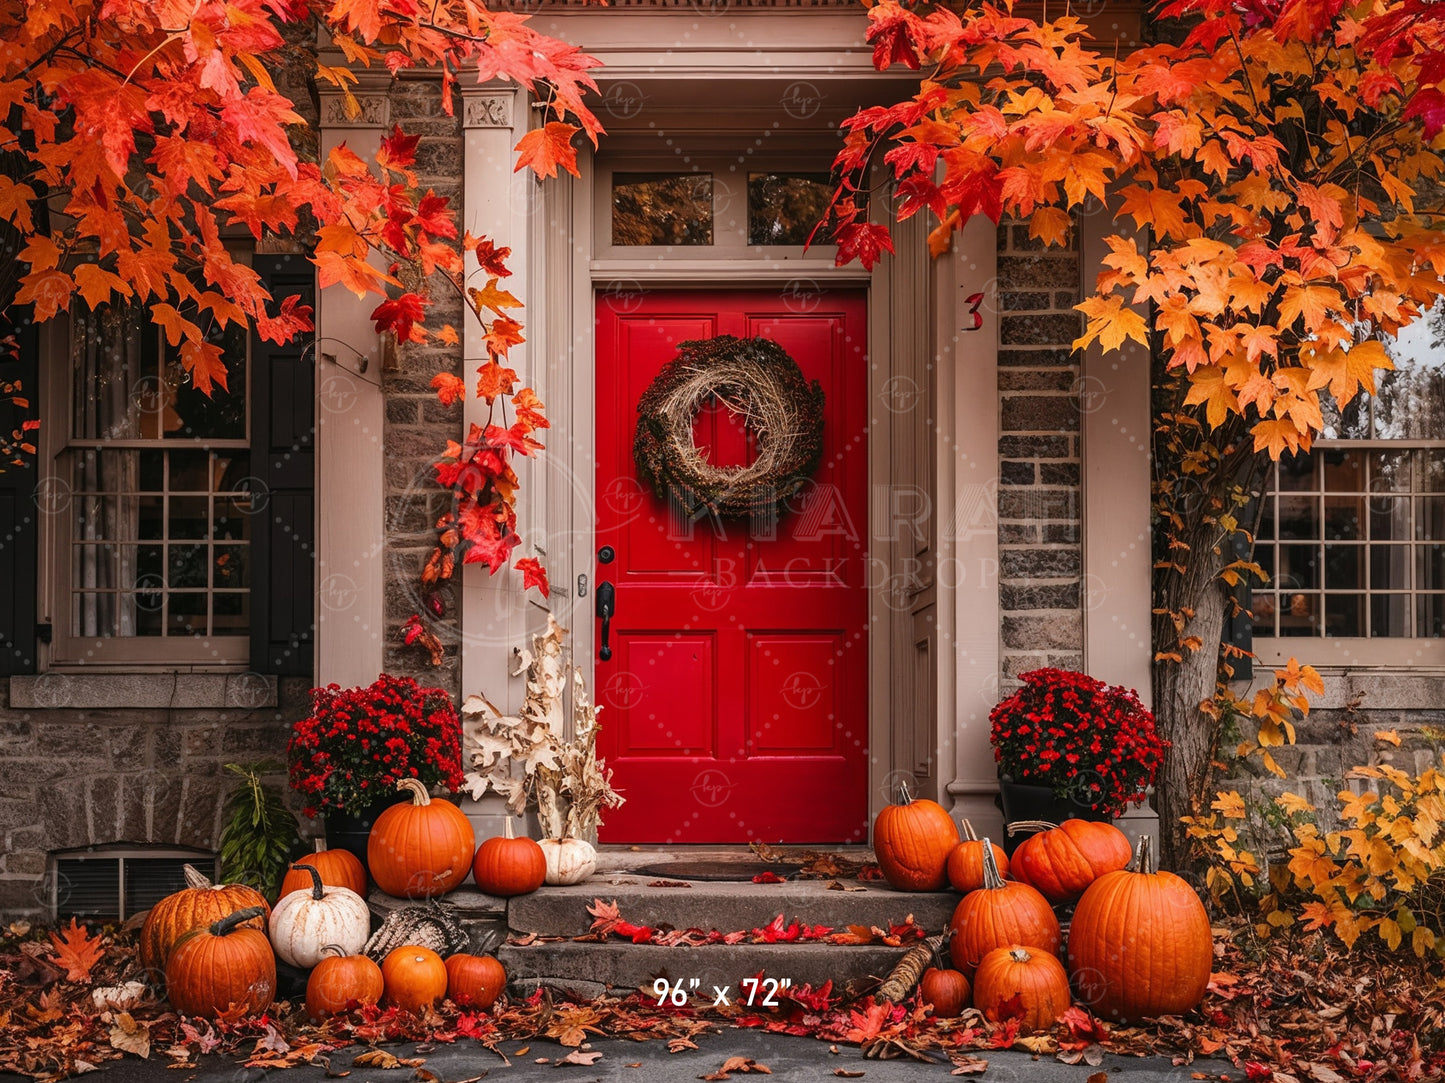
(1040, 537)
(418, 426)
(79, 776)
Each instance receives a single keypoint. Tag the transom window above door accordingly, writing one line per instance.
(714, 208)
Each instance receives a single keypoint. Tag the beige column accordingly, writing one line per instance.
(349, 417)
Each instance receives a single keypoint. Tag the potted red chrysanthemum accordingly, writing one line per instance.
(347, 756)
(1068, 745)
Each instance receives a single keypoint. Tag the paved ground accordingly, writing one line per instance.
(789, 1058)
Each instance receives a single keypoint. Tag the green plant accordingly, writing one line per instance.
(260, 837)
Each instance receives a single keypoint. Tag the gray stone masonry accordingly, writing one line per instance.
(77, 777)
(418, 426)
(1040, 554)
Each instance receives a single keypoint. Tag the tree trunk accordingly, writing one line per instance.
(1180, 688)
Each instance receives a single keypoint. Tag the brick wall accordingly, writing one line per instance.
(1040, 534)
(76, 777)
(417, 424)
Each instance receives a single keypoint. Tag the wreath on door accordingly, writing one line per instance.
(756, 380)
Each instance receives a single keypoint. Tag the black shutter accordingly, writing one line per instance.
(1239, 624)
(18, 511)
(283, 438)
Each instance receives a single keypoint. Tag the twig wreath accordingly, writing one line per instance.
(755, 379)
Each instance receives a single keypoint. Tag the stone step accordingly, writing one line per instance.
(588, 966)
(725, 906)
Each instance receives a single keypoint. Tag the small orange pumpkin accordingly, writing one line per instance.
(1000, 913)
(1020, 978)
(341, 982)
(225, 967)
(198, 904)
(337, 868)
(413, 977)
(946, 990)
(474, 981)
(1061, 861)
(1140, 944)
(965, 861)
(912, 839)
(421, 849)
(507, 866)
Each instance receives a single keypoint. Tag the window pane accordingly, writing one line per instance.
(1431, 615)
(1345, 615)
(1430, 472)
(784, 208)
(1264, 607)
(189, 517)
(1410, 399)
(231, 614)
(1430, 518)
(1390, 518)
(662, 208)
(1389, 615)
(219, 415)
(1390, 471)
(229, 566)
(190, 471)
(1344, 518)
(1389, 567)
(1429, 567)
(1297, 474)
(1299, 614)
(1299, 517)
(186, 566)
(1344, 567)
(112, 368)
(152, 471)
(1344, 471)
(186, 614)
(1298, 567)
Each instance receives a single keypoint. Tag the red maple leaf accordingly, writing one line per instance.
(434, 216)
(401, 315)
(449, 388)
(533, 575)
(491, 258)
(398, 150)
(863, 241)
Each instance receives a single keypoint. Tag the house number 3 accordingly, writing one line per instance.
(973, 300)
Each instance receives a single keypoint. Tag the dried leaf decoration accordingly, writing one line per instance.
(77, 951)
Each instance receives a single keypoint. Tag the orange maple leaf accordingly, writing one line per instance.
(77, 951)
(494, 380)
(544, 149)
(491, 297)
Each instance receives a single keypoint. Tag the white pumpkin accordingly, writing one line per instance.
(306, 921)
(569, 861)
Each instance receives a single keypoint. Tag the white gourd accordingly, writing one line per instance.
(569, 861)
(307, 921)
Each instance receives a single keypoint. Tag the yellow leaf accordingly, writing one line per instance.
(1050, 225)
(1388, 736)
(1312, 303)
(1207, 386)
(1230, 804)
(1111, 323)
(1389, 931)
(1422, 940)
(1293, 803)
(491, 297)
(1273, 768)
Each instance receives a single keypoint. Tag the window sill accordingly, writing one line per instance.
(156, 690)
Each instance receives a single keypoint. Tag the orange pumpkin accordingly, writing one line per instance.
(225, 967)
(1062, 861)
(198, 904)
(421, 849)
(341, 982)
(912, 839)
(413, 977)
(1139, 944)
(946, 990)
(965, 861)
(1017, 978)
(338, 868)
(474, 981)
(507, 865)
(1001, 913)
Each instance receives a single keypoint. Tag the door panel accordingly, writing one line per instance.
(736, 698)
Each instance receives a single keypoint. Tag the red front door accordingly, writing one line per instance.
(736, 697)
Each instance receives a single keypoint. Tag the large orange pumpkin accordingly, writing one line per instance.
(224, 967)
(199, 903)
(946, 990)
(507, 865)
(1034, 977)
(912, 839)
(474, 981)
(337, 868)
(414, 977)
(1139, 944)
(1062, 861)
(341, 982)
(965, 861)
(1001, 913)
(421, 849)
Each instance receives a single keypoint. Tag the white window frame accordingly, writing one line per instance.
(66, 651)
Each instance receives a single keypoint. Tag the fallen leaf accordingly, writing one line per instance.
(579, 1057)
(380, 1058)
(129, 1036)
(839, 885)
(523, 1051)
(76, 950)
(669, 883)
(846, 1074)
(963, 1064)
(677, 1045)
(1098, 1077)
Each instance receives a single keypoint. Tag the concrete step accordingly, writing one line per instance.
(587, 966)
(728, 907)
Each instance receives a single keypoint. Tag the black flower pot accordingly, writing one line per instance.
(349, 829)
(1024, 801)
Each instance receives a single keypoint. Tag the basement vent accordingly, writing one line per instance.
(113, 883)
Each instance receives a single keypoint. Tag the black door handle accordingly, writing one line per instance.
(606, 606)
